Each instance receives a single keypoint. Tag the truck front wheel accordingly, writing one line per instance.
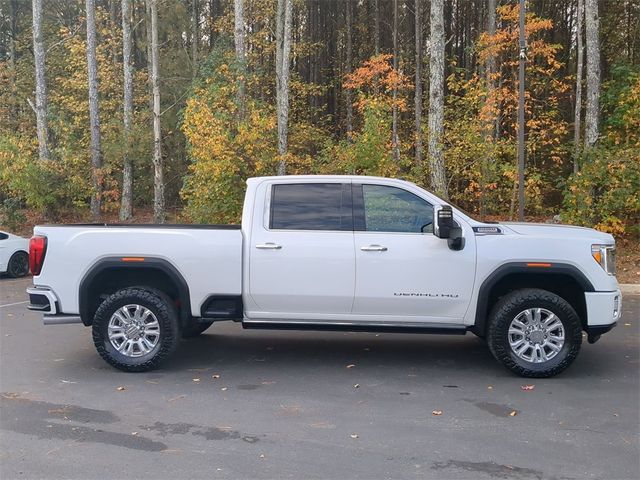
(135, 329)
(534, 333)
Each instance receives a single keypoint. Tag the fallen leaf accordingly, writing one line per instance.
(176, 398)
(357, 385)
(121, 388)
(134, 433)
(351, 365)
(262, 455)
(616, 415)
(513, 413)
(354, 435)
(437, 413)
(528, 387)
(322, 425)
(215, 376)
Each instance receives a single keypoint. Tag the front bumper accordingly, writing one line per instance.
(42, 299)
(604, 309)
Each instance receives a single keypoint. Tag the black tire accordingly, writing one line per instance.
(512, 304)
(160, 305)
(193, 328)
(18, 265)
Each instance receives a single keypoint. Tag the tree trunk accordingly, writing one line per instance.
(436, 100)
(395, 147)
(348, 91)
(94, 116)
(490, 121)
(127, 164)
(113, 21)
(41, 106)
(158, 174)
(195, 35)
(284, 15)
(578, 106)
(521, 121)
(592, 111)
(376, 27)
(418, 92)
(238, 35)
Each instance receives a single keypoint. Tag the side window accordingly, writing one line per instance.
(3, 236)
(311, 206)
(391, 209)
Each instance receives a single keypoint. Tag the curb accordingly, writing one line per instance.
(630, 288)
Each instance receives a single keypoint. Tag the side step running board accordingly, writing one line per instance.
(442, 329)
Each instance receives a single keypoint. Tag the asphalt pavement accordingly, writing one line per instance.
(235, 403)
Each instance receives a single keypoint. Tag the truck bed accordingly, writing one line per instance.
(208, 257)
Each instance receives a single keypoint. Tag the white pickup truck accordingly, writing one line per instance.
(332, 253)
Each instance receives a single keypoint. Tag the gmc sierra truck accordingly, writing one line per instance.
(332, 253)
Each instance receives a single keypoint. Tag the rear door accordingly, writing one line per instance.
(301, 251)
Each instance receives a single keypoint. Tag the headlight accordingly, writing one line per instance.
(605, 255)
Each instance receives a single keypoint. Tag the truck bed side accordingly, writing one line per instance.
(208, 258)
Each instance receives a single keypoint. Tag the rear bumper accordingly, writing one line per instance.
(42, 299)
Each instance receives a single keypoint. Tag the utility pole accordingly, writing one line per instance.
(523, 58)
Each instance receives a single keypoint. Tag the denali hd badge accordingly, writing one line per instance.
(487, 230)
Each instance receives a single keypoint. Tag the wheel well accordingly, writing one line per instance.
(562, 284)
(107, 278)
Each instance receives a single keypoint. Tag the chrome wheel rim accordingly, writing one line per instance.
(536, 335)
(133, 330)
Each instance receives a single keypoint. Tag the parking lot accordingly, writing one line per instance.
(268, 404)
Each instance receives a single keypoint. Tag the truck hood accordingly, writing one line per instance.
(560, 231)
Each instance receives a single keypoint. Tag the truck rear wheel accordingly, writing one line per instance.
(534, 333)
(135, 329)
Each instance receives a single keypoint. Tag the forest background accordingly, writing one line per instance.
(158, 110)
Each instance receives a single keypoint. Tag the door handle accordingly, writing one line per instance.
(269, 246)
(373, 248)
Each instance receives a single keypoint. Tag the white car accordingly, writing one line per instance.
(14, 256)
(332, 253)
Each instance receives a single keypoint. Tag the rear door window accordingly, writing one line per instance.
(311, 206)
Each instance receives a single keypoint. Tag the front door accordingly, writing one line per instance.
(302, 261)
(402, 269)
